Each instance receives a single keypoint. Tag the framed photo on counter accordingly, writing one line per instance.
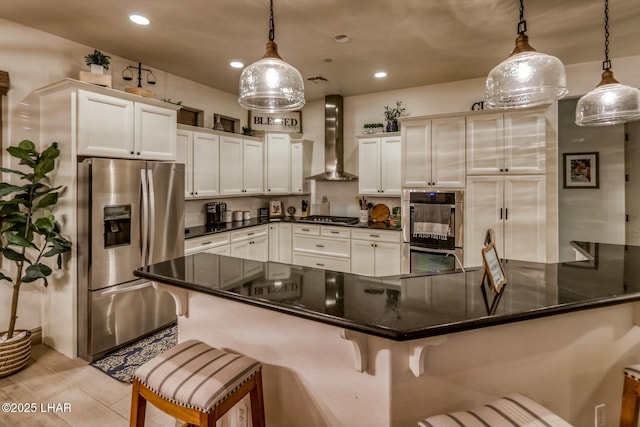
(580, 170)
(275, 209)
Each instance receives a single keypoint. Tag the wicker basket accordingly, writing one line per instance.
(15, 354)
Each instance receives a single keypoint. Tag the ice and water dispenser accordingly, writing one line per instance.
(117, 225)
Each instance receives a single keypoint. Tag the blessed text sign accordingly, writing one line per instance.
(287, 121)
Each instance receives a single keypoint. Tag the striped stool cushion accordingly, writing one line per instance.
(633, 372)
(195, 375)
(512, 410)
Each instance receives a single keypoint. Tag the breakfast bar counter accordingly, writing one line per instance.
(343, 349)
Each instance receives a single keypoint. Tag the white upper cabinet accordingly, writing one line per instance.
(509, 143)
(278, 164)
(379, 165)
(105, 125)
(184, 154)
(253, 167)
(301, 157)
(109, 126)
(433, 152)
(155, 130)
(200, 153)
(241, 166)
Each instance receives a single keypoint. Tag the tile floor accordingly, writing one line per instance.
(94, 399)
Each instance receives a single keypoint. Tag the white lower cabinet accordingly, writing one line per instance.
(210, 243)
(323, 247)
(375, 253)
(251, 243)
(280, 242)
(514, 207)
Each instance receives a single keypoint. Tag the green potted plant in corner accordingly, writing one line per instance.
(392, 115)
(97, 61)
(246, 130)
(29, 233)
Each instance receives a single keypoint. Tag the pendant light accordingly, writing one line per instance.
(270, 84)
(610, 103)
(526, 78)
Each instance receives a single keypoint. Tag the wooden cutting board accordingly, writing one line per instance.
(380, 213)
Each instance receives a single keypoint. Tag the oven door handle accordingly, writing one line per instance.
(431, 250)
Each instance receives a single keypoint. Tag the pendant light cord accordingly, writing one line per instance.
(272, 28)
(522, 25)
(606, 65)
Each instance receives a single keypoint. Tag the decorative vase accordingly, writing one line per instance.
(15, 353)
(392, 126)
(97, 69)
(218, 125)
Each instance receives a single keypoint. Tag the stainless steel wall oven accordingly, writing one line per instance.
(432, 230)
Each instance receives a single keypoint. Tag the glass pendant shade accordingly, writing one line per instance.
(271, 85)
(610, 103)
(527, 78)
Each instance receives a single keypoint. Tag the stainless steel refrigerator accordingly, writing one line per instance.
(130, 214)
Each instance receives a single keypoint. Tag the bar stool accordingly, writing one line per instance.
(630, 397)
(198, 384)
(512, 410)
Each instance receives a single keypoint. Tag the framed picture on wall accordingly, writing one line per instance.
(580, 170)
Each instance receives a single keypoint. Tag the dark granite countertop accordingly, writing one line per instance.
(410, 307)
(202, 230)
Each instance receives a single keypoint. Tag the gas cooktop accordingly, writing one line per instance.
(328, 219)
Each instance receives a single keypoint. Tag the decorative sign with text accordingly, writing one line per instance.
(290, 121)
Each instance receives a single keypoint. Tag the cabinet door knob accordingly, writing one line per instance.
(501, 170)
(132, 153)
(506, 170)
(138, 153)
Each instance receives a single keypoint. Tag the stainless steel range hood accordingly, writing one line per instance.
(333, 142)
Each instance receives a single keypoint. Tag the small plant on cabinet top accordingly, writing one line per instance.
(97, 58)
(29, 231)
(391, 114)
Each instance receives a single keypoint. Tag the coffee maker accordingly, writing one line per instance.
(215, 212)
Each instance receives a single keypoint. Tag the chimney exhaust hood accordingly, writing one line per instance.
(333, 142)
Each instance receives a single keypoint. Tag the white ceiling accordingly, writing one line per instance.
(417, 42)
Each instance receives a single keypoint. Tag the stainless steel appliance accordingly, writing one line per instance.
(130, 214)
(432, 230)
(328, 219)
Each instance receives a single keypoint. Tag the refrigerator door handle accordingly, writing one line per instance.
(152, 214)
(144, 218)
(119, 289)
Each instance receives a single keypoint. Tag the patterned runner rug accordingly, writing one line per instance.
(121, 364)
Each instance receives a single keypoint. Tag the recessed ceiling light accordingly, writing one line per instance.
(380, 74)
(139, 19)
(341, 38)
(236, 64)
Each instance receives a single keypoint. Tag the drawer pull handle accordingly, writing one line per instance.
(319, 265)
(374, 235)
(335, 232)
(319, 246)
(250, 234)
(305, 229)
(205, 243)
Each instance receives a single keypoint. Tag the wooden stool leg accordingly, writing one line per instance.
(630, 403)
(257, 403)
(138, 406)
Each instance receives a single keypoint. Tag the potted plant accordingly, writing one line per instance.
(373, 127)
(246, 130)
(97, 61)
(28, 233)
(392, 115)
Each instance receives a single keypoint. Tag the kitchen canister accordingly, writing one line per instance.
(237, 215)
(246, 215)
(228, 216)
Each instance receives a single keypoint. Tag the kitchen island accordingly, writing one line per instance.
(342, 349)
